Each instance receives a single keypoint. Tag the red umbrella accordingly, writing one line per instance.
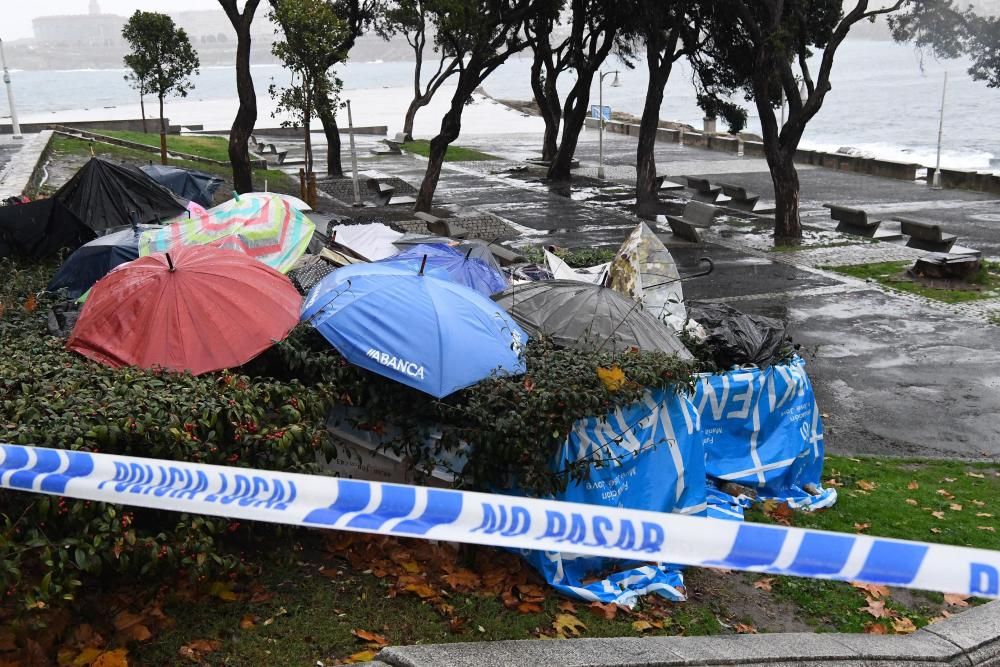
(196, 309)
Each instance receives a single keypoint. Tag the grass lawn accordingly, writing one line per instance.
(213, 148)
(277, 181)
(454, 154)
(893, 274)
(322, 597)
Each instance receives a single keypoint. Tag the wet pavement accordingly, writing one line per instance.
(894, 374)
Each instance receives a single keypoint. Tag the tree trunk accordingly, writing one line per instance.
(787, 224)
(417, 101)
(328, 117)
(246, 115)
(660, 61)
(306, 118)
(142, 110)
(163, 135)
(574, 115)
(411, 113)
(451, 126)
(547, 100)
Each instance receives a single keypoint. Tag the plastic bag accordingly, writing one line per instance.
(736, 338)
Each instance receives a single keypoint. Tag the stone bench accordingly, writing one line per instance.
(739, 198)
(663, 185)
(853, 220)
(925, 235)
(271, 149)
(392, 146)
(697, 215)
(703, 190)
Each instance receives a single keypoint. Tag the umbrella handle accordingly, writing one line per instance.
(423, 263)
(701, 260)
(170, 263)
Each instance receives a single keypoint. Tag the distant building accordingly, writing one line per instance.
(93, 29)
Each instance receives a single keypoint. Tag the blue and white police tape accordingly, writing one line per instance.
(503, 521)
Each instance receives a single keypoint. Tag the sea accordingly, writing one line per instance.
(885, 102)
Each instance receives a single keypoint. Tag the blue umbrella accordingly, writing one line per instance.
(92, 261)
(431, 334)
(444, 262)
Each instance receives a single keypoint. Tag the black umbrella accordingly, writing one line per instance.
(587, 317)
(197, 186)
(40, 229)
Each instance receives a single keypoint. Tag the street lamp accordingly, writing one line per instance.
(600, 114)
(14, 126)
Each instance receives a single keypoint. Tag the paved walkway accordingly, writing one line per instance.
(895, 374)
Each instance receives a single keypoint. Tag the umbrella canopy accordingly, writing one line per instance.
(587, 317)
(479, 249)
(644, 269)
(40, 229)
(200, 309)
(294, 202)
(104, 195)
(442, 261)
(266, 228)
(188, 183)
(94, 260)
(430, 334)
(563, 271)
(373, 240)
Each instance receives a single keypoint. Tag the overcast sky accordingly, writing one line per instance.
(16, 15)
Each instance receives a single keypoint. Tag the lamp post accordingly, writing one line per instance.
(354, 157)
(936, 180)
(600, 113)
(14, 125)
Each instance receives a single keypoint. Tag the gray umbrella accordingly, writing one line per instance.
(587, 317)
(472, 247)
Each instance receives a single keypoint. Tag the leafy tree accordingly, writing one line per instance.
(161, 59)
(310, 29)
(481, 35)
(549, 61)
(949, 32)
(409, 18)
(246, 115)
(762, 49)
(597, 28)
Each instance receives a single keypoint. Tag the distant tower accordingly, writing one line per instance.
(95, 9)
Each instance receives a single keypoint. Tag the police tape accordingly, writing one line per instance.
(503, 521)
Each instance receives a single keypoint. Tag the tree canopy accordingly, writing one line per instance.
(162, 59)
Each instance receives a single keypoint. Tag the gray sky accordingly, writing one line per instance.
(16, 15)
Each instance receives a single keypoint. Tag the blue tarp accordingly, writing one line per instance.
(669, 453)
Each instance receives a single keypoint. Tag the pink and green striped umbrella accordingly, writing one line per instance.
(266, 228)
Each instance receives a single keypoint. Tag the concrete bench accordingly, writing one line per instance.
(274, 150)
(703, 190)
(663, 185)
(381, 192)
(739, 198)
(925, 235)
(697, 215)
(392, 146)
(853, 220)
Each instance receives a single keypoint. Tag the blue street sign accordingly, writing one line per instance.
(597, 112)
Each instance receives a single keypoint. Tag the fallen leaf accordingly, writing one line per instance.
(529, 384)
(456, 625)
(875, 629)
(865, 485)
(911, 501)
(613, 378)
(976, 475)
(877, 609)
(223, 590)
(764, 584)
(125, 619)
(361, 656)
(903, 626)
(372, 637)
(86, 657)
(913, 485)
(861, 527)
(744, 629)
(989, 529)
(463, 580)
(979, 503)
(956, 600)
(31, 305)
(247, 622)
(955, 507)
(642, 626)
(116, 658)
(937, 515)
(529, 608)
(566, 606)
(876, 591)
(948, 479)
(568, 625)
(833, 482)
(137, 632)
(946, 495)
(935, 530)
(605, 611)
(986, 515)
(193, 650)
(422, 590)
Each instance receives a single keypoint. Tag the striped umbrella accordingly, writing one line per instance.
(266, 228)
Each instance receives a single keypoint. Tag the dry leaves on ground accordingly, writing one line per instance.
(956, 599)
(371, 637)
(744, 629)
(606, 611)
(875, 629)
(903, 626)
(196, 650)
(911, 501)
(876, 608)
(876, 591)
(764, 584)
(567, 625)
(865, 485)
(912, 486)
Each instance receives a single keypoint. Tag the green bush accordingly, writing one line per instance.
(269, 414)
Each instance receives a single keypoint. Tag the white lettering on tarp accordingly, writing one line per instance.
(708, 395)
(414, 370)
(746, 397)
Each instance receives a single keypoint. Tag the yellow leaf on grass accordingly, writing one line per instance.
(989, 529)
(948, 479)
(116, 658)
(912, 486)
(613, 378)
(865, 485)
(903, 626)
(935, 530)
(937, 515)
(568, 625)
(223, 590)
(764, 584)
(361, 656)
(642, 626)
(985, 515)
(862, 527)
(411, 566)
(87, 657)
(976, 475)
(955, 507)
(979, 503)
(247, 622)
(911, 501)
(945, 494)
(421, 590)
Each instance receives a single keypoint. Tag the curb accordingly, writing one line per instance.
(970, 638)
(20, 171)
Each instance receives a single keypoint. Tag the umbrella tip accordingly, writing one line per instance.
(170, 263)
(423, 263)
(236, 195)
